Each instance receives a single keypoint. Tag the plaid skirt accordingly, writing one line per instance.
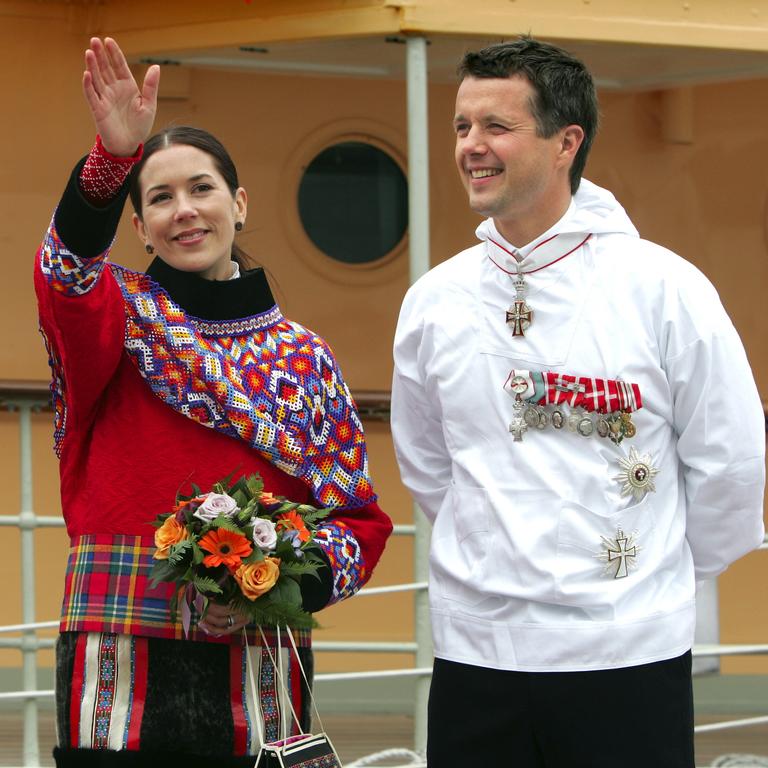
(124, 700)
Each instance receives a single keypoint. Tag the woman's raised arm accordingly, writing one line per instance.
(122, 113)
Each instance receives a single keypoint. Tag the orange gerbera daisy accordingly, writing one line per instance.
(293, 521)
(226, 548)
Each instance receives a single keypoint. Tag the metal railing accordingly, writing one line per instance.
(28, 397)
(25, 398)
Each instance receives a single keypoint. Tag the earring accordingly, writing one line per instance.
(239, 226)
(149, 249)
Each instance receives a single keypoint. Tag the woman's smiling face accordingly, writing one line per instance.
(188, 212)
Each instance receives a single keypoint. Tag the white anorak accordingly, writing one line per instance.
(516, 579)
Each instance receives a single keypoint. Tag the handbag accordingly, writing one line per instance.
(305, 750)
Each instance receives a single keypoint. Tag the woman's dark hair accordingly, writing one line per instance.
(204, 141)
(564, 92)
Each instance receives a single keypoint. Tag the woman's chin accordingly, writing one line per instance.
(202, 267)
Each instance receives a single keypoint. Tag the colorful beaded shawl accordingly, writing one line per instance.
(262, 379)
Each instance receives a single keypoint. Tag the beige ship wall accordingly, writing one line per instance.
(705, 199)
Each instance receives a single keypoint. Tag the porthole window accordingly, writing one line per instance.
(353, 202)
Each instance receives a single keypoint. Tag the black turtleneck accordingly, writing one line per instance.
(247, 295)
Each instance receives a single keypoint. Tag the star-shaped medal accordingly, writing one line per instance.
(637, 474)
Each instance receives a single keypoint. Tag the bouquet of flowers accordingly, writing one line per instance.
(238, 545)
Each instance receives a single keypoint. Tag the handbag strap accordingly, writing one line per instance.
(278, 666)
(281, 678)
(306, 682)
(256, 697)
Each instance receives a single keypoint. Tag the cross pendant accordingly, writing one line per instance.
(520, 315)
(518, 428)
(622, 553)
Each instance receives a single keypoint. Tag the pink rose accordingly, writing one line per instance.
(216, 504)
(264, 534)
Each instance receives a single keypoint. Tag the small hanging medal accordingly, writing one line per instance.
(637, 474)
(517, 385)
(518, 426)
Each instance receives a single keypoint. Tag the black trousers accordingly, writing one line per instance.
(633, 717)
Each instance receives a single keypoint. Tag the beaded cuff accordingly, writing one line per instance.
(103, 174)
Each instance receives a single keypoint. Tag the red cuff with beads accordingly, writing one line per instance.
(103, 174)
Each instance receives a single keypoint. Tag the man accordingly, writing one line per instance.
(574, 412)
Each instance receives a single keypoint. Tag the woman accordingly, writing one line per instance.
(182, 374)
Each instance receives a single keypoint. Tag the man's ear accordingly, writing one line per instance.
(572, 138)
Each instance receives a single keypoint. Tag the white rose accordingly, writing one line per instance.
(264, 534)
(214, 505)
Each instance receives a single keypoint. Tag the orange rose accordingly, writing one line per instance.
(169, 533)
(257, 578)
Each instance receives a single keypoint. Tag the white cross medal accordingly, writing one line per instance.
(619, 554)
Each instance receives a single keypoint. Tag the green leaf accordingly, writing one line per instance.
(286, 590)
(180, 553)
(188, 575)
(198, 555)
(299, 568)
(251, 507)
(256, 556)
(173, 605)
(240, 498)
(227, 481)
(244, 516)
(239, 486)
(206, 585)
(162, 571)
(284, 550)
(255, 485)
(269, 613)
(312, 515)
(222, 521)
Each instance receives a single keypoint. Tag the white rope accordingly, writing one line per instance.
(414, 760)
(740, 761)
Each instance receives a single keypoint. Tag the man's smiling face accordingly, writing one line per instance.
(510, 172)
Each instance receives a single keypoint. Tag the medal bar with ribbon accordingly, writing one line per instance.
(612, 400)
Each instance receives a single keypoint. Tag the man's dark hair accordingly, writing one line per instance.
(563, 87)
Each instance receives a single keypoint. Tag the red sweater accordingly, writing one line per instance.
(126, 446)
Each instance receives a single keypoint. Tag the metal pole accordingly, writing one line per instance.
(418, 157)
(418, 224)
(27, 532)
